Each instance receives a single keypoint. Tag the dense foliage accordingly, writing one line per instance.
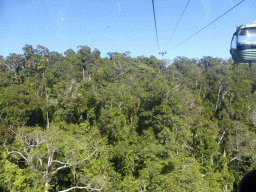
(81, 122)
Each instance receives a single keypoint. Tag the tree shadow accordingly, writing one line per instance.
(167, 168)
(36, 118)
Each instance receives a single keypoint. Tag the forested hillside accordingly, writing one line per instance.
(80, 122)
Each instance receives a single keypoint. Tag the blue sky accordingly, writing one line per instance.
(122, 25)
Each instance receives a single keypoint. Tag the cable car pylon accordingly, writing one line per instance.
(162, 52)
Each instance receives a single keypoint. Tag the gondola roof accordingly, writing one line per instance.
(245, 27)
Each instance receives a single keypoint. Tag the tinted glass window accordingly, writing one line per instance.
(247, 35)
(234, 41)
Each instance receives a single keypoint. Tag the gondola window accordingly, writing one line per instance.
(247, 35)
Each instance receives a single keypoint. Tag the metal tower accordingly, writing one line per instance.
(162, 53)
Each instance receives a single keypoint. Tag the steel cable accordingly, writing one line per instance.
(209, 24)
(177, 23)
(155, 23)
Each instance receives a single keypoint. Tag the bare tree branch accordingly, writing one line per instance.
(238, 159)
(87, 157)
(67, 164)
(63, 163)
(77, 187)
(15, 152)
(59, 168)
(28, 162)
(220, 139)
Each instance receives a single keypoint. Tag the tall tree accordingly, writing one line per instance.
(53, 150)
(84, 54)
(15, 62)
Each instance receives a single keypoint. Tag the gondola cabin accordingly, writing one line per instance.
(243, 44)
